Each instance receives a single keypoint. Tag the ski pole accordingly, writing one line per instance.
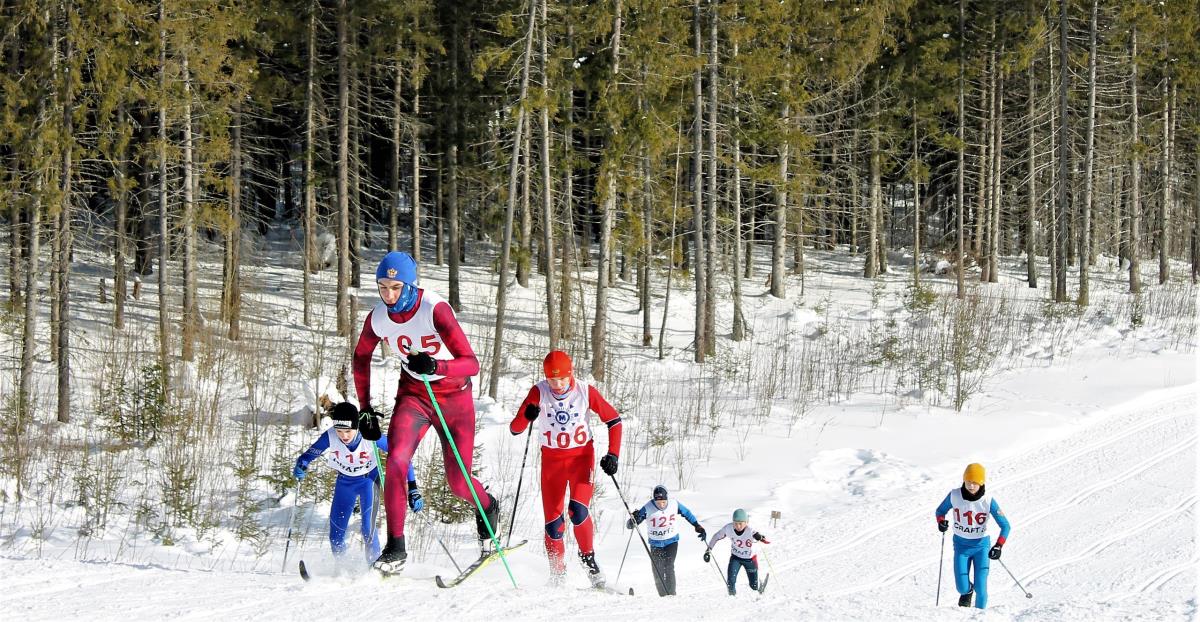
(770, 568)
(432, 528)
(717, 568)
(291, 519)
(623, 556)
(467, 476)
(1014, 578)
(941, 559)
(379, 466)
(657, 581)
(513, 520)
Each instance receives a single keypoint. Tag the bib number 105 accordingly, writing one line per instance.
(563, 440)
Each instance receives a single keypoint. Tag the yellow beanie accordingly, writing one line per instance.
(974, 473)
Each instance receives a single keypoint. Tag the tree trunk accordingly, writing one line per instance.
(1135, 171)
(119, 229)
(959, 266)
(739, 323)
(916, 182)
(414, 203)
(343, 174)
(1031, 200)
(698, 229)
(610, 164)
(510, 209)
(547, 190)
(1164, 210)
(189, 222)
(778, 250)
(1064, 159)
(163, 347)
(233, 239)
(310, 198)
(64, 234)
(525, 236)
(710, 285)
(356, 172)
(394, 174)
(1085, 208)
(871, 267)
(997, 187)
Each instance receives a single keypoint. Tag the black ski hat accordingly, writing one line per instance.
(660, 493)
(344, 416)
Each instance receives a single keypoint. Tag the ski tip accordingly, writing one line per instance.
(440, 583)
(631, 591)
(304, 571)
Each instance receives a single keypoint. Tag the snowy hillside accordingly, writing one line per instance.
(833, 414)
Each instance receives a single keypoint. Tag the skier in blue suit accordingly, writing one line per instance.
(660, 512)
(355, 460)
(972, 505)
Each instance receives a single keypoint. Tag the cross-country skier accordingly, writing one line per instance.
(659, 514)
(353, 457)
(741, 549)
(972, 506)
(421, 328)
(560, 404)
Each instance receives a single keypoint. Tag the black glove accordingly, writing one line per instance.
(628, 522)
(994, 553)
(415, 501)
(943, 525)
(532, 412)
(608, 464)
(761, 538)
(707, 555)
(368, 424)
(700, 533)
(421, 363)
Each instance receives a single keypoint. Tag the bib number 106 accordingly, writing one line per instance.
(562, 440)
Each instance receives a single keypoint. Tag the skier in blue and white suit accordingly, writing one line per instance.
(659, 514)
(971, 506)
(355, 460)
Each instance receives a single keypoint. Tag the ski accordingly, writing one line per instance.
(304, 572)
(476, 566)
(609, 590)
(762, 587)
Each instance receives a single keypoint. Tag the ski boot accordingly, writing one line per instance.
(493, 518)
(965, 599)
(391, 560)
(594, 573)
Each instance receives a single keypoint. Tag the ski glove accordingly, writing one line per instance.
(608, 464)
(368, 424)
(761, 538)
(707, 555)
(415, 501)
(299, 472)
(943, 525)
(532, 412)
(639, 515)
(629, 523)
(422, 363)
(994, 553)
(700, 533)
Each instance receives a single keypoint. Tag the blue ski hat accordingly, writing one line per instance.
(400, 266)
(739, 515)
(660, 493)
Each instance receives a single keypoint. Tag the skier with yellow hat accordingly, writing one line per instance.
(972, 505)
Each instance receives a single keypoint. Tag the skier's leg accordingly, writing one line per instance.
(752, 572)
(962, 577)
(339, 515)
(579, 475)
(409, 423)
(459, 412)
(553, 493)
(982, 567)
(669, 553)
(657, 565)
(366, 501)
(732, 573)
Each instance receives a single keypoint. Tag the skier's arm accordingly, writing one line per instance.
(687, 514)
(609, 416)
(412, 475)
(313, 452)
(464, 364)
(519, 422)
(361, 364)
(382, 444)
(717, 537)
(1001, 520)
(943, 509)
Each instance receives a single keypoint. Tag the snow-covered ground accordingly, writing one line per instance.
(1090, 445)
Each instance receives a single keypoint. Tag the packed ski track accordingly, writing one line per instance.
(1104, 527)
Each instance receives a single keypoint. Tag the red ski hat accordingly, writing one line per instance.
(557, 364)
